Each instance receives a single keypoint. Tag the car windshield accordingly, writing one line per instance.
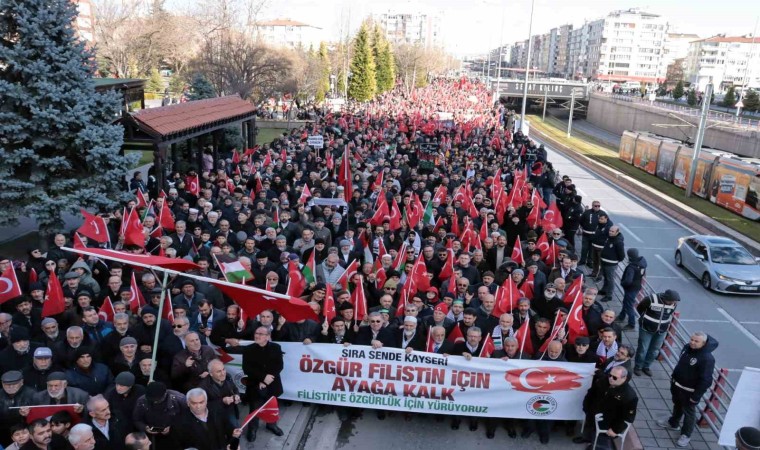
(732, 255)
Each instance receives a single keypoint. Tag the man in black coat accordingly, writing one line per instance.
(691, 378)
(613, 252)
(204, 426)
(262, 364)
(123, 395)
(223, 394)
(375, 334)
(109, 429)
(18, 355)
(410, 336)
(441, 346)
(616, 401)
(470, 348)
(228, 331)
(13, 394)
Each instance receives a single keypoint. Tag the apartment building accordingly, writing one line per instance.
(727, 60)
(289, 33)
(411, 28)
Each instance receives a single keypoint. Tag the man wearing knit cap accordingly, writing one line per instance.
(123, 395)
(157, 413)
(439, 319)
(19, 354)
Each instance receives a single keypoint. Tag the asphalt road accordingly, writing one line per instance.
(733, 320)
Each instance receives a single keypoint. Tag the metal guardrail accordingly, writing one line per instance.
(715, 402)
(717, 116)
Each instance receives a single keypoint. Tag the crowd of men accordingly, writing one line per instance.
(460, 211)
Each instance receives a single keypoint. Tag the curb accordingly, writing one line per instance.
(299, 431)
(672, 208)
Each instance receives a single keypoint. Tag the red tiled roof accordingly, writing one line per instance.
(171, 119)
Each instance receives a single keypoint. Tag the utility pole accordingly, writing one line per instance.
(527, 69)
(501, 40)
(546, 98)
(572, 107)
(700, 136)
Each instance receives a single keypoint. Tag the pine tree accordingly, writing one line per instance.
(751, 101)
(691, 97)
(155, 83)
(729, 100)
(678, 91)
(362, 85)
(386, 66)
(341, 82)
(200, 88)
(323, 85)
(59, 148)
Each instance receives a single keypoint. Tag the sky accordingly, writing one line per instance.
(474, 26)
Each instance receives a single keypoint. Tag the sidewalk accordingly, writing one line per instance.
(655, 400)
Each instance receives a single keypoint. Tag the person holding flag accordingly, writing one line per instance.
(262, 364)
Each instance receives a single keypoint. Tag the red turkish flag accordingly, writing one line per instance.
(193, 185)
(359, 300)
(305, 195)
(328, 310)
(395, 216)
(537, 200)
(517, 252)
(10, 285)
(106, 311)
(455, 335)
(575, 289)
(378, 181)
(509, 296)
(345, 176)
(559, 323)
(419, 274)
(440, 194)
(430, 344)
(488, 347)
(329, 161)
(576, 326)
(165, 218)
(380, 213)
(133, 230)
(142, 200)
(484, 230)
(348, 273)
(552, 216)
(543, 244)
(296, 280)
(44, 412)
(380, 278)
(54, 303)
(267, 160)
(269, 413)
(254, 300)
(136, 299)
(447, 271)
(94, 227)
(235, 156)
(523, 337)
(400, 257)
(534, 216)
(222, 355)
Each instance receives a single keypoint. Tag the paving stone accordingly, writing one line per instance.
(655, 403)
(648, 442)
(644, 432)
(665, 442)
(699, 445)
(649, 393)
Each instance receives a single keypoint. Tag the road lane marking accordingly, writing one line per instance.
(658, 277)
(739, 327)
(671, 268)
(704, 320)
(629, 232)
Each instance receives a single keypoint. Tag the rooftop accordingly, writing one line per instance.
(732, 39)
(187, 116)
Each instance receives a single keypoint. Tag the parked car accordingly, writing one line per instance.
(720, 263)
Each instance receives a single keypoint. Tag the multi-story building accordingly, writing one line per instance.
(289, 33)
(518, 54)
(411, 28)
(727, 60)
(85, 22)
(631, 47)
(558, 50)
(674, 52)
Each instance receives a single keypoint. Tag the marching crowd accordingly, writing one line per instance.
(407, 231)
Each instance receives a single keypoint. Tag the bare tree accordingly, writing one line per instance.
(237, 65)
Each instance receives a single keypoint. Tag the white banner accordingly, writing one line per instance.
(390, 379)
(743, 410)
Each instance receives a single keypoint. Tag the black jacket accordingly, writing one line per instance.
(364, 337)
(695, 368)
(613, 251)
(634, 274)
(258, 362)
(118, 428)
(617, 404)
(213, 434)
(164, 414)
(124, 404)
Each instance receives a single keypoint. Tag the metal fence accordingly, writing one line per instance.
(714, 404)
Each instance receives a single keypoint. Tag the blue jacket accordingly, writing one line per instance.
(94, 382)
(694, 369)
(97, 333)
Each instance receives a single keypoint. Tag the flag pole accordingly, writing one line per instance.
(522, 344)
(154, 361)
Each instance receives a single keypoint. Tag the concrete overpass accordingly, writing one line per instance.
(540, 89)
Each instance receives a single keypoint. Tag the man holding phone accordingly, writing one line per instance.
(156, 414)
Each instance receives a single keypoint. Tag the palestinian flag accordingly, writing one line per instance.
(309, 270)
(427, 216)
(234, 272)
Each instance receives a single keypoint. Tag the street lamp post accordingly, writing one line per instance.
(700, 137)
(527, 69)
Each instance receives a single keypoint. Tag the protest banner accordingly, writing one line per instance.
(391, 379)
